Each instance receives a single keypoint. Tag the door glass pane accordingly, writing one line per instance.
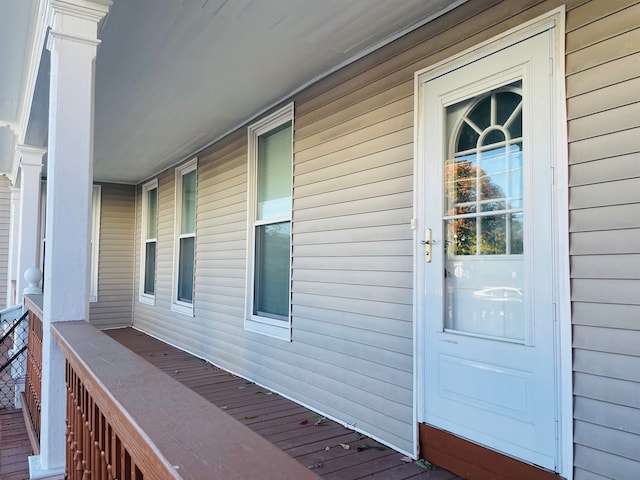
(152, 212)
(188, 203)
(274, 173)
(185, 269)
(150, 268)
(483, 215)
(272, 270)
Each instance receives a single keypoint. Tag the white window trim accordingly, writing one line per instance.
(176, 305)
(255, 323)
(146, 297)
(96, 200)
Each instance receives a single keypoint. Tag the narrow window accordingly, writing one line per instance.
(270, 176)
(186, 185)
(149, 242)
(96, 198)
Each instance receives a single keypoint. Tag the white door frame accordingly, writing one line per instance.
(554, 19)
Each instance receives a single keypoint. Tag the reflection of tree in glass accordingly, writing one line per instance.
(468, 188)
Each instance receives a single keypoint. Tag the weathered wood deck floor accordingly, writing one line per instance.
(14, 446)
(315, 442)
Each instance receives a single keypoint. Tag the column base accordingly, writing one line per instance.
(37, 473)
(17, 392)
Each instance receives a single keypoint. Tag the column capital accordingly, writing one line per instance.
(75, 20)
(30, 155)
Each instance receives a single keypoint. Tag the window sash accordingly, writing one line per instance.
(149, 287)
(272, 277)
(184, 240)
(270, 164)
(149, 244)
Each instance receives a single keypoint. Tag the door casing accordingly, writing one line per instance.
(552, 20)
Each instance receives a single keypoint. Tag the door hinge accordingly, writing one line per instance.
(551, 67)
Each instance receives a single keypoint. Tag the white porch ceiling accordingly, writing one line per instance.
(172, 76)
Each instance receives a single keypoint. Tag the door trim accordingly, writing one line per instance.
(555, 20)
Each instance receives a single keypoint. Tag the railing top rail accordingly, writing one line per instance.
(173, 432)
(33, 302)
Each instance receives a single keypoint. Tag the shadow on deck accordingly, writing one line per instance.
(332, 451)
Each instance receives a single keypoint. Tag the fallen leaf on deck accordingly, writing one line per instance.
(345, 446)
(406, 459)
(249, 417)
(177, 371)
(304, 422)
(361, 436)
(422, 463)
(327, 448)
(224, 408)
(314, 466)
(323, 422)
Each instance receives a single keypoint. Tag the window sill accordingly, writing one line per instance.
(269, 327)
(182, 308)
(147, 299)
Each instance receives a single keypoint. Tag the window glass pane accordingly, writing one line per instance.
(467, 139)
(481, 114)
(274, 173)
(483, 187)
(152, 212)
(188, 203)
(185, 269)
(272, 270)
(150, 268)
(507, 103)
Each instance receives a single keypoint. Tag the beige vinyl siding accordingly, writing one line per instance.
(603, 81)
(352, 278)
(352, 351)
(5, 211)
(114, 307)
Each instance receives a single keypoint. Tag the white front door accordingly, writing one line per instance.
(489, 336)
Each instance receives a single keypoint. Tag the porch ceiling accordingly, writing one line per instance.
(171, 77)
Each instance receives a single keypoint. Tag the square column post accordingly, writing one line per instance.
(29, 221)
(14, 242)
(73, 41)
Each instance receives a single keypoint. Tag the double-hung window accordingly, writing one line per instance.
(149, 242)
(185, 237)
(270, 191)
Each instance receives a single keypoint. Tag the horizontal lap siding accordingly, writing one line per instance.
(115, 265)
(603, 81)
(5, 209)
(351, 354)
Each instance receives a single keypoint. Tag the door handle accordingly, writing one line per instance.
(427, 242)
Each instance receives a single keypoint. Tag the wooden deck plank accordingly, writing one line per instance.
(284, 423)
(14, 446)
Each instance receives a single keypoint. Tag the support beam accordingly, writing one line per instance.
(73, 41)
(29, 221)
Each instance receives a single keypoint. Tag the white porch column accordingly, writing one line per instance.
(72, 42)
(14, 242)
(29, 221)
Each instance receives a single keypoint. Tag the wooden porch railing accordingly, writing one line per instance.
(33, 378)
(127, 420)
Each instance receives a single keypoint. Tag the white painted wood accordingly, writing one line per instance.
(5, 240)
(73, 42)
(14, 239)
(472, 385)
(29, 223)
